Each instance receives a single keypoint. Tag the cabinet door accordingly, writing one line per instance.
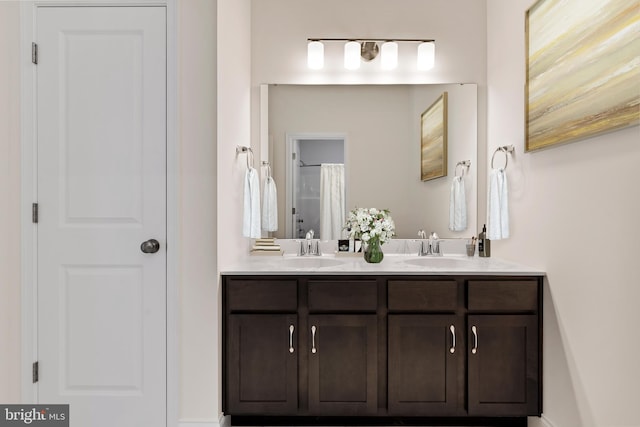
(343, 359)
(503, 365)
(425, 356)
(262, 372)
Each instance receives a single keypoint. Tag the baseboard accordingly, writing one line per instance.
(546, 422)
(197, 423)
(541, 422)
(222, 422)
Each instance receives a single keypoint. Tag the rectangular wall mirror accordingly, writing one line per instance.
(380, 125)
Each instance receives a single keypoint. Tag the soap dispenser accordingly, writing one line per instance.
(484, 244)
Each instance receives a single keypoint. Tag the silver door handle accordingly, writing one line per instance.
(474, 331)
(313, 340)
(150, 246)
(291, 329)
(453, 339)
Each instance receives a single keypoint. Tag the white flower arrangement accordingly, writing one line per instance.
(370, 223)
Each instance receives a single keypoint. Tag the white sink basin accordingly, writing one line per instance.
(438, 262)
(310, 262)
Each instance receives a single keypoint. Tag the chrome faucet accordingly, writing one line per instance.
(309, 246)
(432, 244)
(422, 236)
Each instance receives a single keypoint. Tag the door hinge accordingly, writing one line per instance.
(34, 213)
(35, 372)
(34, 52)
(293, 211)
(293, 156)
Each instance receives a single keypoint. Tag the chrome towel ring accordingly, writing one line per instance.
(464, 164)
(506, 149)
(240, 149)
(266, 164)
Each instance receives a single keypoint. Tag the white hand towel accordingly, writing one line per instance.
(251, 218)
(457, 205)
(498, 224)
(270, 205)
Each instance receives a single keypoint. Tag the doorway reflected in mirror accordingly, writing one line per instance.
(315, 183)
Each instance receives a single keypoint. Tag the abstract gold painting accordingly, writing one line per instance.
(433, 142)
(583, 69)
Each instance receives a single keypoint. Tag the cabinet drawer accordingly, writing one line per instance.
(262, 295)
(512, 295)
(343, 296)
(423, 295)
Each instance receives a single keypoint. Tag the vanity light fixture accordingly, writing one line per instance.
(358, 50)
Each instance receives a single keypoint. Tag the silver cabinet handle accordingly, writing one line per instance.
(291, 329)
(474, 331)
(313, 340)
(453, 339)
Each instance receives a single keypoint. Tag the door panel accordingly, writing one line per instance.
(101, 150)
(101, 135)
(103, 353)
(262, 364)
(503, 369)
(343, 368)
(424, 364)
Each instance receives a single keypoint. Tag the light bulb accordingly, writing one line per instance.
(389, 54)
(352, 55)
(426, 55)
(315, 55)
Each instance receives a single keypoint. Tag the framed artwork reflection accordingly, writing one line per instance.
(433, 140)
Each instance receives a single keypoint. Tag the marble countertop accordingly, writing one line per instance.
(391, 264)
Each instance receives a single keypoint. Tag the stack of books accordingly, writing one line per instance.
(266, 246)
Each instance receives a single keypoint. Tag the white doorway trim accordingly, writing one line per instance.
(29, 194)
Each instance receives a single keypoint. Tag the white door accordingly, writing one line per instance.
(101, 137)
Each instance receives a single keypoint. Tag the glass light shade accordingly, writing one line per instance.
(426, 55)
(315, 55)
(352, 55)
(389, 53)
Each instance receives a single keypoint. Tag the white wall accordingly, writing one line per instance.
(214, 118)
(9, 202)
(234, 128)
(197, 108)
(574, 212)
(234, 118)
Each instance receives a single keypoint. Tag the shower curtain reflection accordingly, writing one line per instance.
(332, 201)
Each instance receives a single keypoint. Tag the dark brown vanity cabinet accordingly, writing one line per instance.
(426, 348)
(261, 345)
(262, 363)
(464, 348)
(424, 365)
(343, 365)
(504, 361)
(343, 355)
